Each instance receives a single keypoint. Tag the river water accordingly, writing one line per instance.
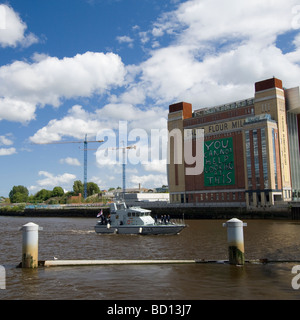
(74, 238)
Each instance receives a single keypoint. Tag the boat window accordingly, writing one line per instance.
(129, 214)
(121, 206)
(133, 214)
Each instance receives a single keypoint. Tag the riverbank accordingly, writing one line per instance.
(226, 213)
(196, 212)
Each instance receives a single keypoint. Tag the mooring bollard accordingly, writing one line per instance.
(235, 239)
(30, 245)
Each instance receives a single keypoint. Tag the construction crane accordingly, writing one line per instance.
(124, 166)
(85, 143)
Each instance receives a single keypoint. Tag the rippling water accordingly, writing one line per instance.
(74, 238)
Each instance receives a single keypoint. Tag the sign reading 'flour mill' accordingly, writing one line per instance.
(219, 162)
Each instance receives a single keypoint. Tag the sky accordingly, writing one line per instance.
(109, 69)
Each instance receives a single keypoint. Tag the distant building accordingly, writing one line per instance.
(251, 149)
(75, 199)
(136, 198)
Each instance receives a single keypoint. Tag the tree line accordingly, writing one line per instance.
(19, 194)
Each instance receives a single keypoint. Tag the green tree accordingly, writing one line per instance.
(18, 194)
(43, 195)
(92, 188)
(58, 192)
(78, 187)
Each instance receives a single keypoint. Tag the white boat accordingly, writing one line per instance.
(134, 220)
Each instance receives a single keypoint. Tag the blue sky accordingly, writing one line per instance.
(70, 68)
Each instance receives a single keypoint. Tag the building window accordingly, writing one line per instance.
(267, 197)
(256, 159)
(258, 197)
(274, 158)
(250, 198)
(248, 159)
(264, 157)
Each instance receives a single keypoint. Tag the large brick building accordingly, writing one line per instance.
(251, 149)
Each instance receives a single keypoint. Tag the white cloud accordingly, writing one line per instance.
(144, 37)
(51, 181)
(294, 57)
(97, 180)
(148, 181)
(79, 122)
(12, 29)
(296, 41)
(33, 188)
(70, 161)
(155, 44)
(125, 39)
(146, 118)
(156, 165)
(217, 50)
(170, 73)
(7, 151)
(212, 20)
(134, 96)
(157, 32)
(5, 140)
(12, 109)
(49, 80)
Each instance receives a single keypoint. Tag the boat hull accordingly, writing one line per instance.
(142, 230)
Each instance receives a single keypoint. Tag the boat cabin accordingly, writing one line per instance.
(121, 215)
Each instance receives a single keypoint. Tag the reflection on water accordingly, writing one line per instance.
(74, 238)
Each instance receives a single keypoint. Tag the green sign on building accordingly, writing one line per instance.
(219, 163)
